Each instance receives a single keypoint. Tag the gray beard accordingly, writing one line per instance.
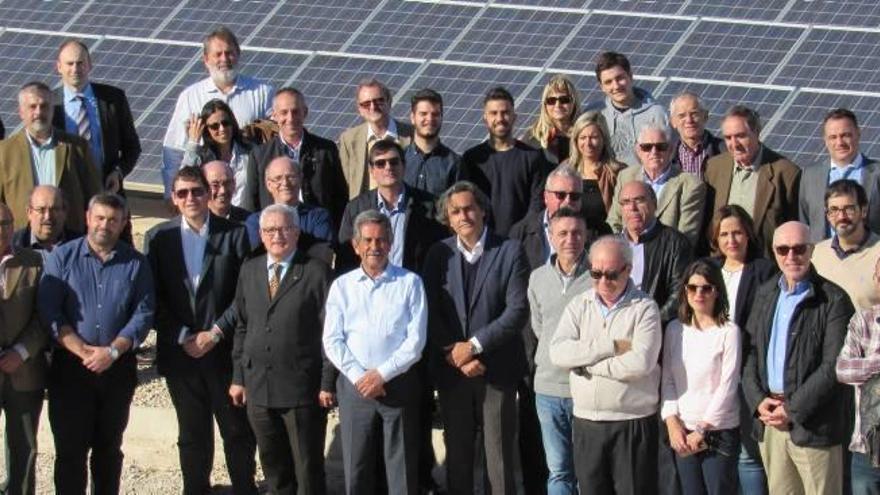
(223, 77)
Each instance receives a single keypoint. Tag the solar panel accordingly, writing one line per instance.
(51, 16)
(644, 6)
(565, 4)
(122, 17)
(314, 24)
(26, 57)
(835, 60)
(735, 9)
(829, 12)
(197, 17)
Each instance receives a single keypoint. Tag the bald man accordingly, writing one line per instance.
(802, 414)
(46, 215)
(221, 181)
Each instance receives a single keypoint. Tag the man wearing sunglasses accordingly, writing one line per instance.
(196, 258)
(802, 414)
(609, 338)
(373, 100)
(679, 195)
(751, 175)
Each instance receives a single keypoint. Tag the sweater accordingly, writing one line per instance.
(854, 273)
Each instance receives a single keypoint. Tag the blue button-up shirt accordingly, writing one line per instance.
(658, 183)
(786, 305)
(375, 324)
(100, 300)
(72, 104)
(852, 171)
(433, 172)
(43, 161)
(397, 216)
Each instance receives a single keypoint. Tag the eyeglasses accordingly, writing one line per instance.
(797, 250)
(702, 289)
(271, 231)
(561, 100)
(385, 162)
(647, 147)
(42, 210)
(848, 210)
(217, 184)
(216, 125)
(637, 201)
(290, 179)
(376, 102)
(610, 275)
(197, 192)
(561, 195)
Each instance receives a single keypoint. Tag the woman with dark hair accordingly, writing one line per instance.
(550, 131)
(739, 256)
(701, 371)
(214, 135)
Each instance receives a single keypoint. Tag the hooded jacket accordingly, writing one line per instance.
(624, 125)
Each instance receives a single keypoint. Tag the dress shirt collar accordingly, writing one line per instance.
(389, 274)
(211, 87)
(661, 179)
(391, 131)
(474, 255)
(799, 288)
(202, 232)
(858, 163)
(841, 254)
(398, 207)
(439, 150)
(618, 301)
(285, 262)
(50, 143)
(86, 251)
(71, 94)
(752, 167)
(293, 147)
(642, 237)
(36, 244)
(580, 266)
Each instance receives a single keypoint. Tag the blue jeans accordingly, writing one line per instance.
(865, 477)
(752, 479)
(555, 416)
(712, 471)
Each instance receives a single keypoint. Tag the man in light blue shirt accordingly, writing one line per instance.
(374, 332)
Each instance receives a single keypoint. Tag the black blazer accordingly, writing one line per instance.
(667, 255)
(277, 354)
(495, 315)
(530, 232)
(122, 147)
(754, 274)
(323, 182)
(239, 215)
(178, 306)
(422, 229)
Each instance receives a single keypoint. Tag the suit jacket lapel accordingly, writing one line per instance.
(293, 275)
(722, 193)
(871, 174)
(13, 274)
(62, 149)
(765, 190)
(212, 249)
(360, 155)
(176, 256)
(456, 281)
(668, 191)
(490, 253)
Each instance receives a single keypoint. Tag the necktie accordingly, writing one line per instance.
(83, 126)
(275, 280)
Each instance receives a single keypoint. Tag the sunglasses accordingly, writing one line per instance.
(216, 125)
(702, 289)
(385, 162)
(797, 250)
(197, 192)
(561, 195)
(647, 147)
(561, 100)
(377, 102)
(610, 275)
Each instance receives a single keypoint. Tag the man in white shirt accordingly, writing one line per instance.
(249, 98)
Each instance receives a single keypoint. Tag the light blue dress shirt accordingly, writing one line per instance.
(658, 183)
(43, 161)
(375, 324)
(852, 171)
(397, 216)
(72, 104)
(786, 305)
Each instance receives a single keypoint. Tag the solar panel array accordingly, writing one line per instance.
(792, 60)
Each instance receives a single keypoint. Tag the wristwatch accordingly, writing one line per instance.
(699, 429)
(114, 352)
(215, 337)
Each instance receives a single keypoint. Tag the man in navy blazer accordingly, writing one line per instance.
(476, 287)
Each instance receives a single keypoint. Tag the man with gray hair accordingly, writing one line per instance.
(696, 144)
(278, 368)
(39, 154)
(679, 196)
(609, 337)
(249, 98)
(378, 388)
(221, 180)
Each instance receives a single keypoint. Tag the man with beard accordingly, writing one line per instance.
(39, 155)
(844, 258)
(430, 165)
(249, 98)
(508, 171)
(221, 180)
(46, 213)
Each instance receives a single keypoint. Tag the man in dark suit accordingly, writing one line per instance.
(277, 358)
(98, 113)
(840, 131)
(196, 258)
(22, 360)
(221, 179)
(476, 287)
(751, 175)
(47, 213)
(323, 183)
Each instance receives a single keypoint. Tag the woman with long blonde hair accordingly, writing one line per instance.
(550, 131)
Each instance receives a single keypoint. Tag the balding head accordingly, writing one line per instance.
(47, 214)
(792, 250)
(221, 181)
(638, 207)
(283, 180)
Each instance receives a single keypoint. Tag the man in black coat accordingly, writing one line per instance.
(98, 113)
(221, 179)
(323, 182)
(802, 414)
(196, 258)
(277, 356)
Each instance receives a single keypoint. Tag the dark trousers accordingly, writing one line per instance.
(394, 419)
(712, 471)
(531, 447)
(466, 405)
(616, 457)
(667, 470)
(291, 446)
(198, 397)
(427, 461)
(22, 410)
(89, 411)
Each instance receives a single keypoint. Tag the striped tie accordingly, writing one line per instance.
(83, 126)
(275, 280)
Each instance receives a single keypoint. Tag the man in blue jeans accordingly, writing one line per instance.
(551, 287)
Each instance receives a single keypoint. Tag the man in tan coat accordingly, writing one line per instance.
(39, 155)
(22, 361)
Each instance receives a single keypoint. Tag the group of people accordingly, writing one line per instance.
(617, 302)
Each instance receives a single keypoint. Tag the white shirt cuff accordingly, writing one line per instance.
(20, 349)
(477, 345)
(183, 334)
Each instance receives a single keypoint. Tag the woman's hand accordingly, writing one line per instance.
(677, 438)
(195, 128)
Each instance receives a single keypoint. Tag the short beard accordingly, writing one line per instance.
(222, 77)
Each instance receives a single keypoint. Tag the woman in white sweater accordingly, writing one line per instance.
(699, 402)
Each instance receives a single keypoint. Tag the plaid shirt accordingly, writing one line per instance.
(692, 161)
(859, 360)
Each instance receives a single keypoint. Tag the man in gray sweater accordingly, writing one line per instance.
(551, 287)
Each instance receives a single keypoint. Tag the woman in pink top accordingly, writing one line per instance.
(699, 402)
